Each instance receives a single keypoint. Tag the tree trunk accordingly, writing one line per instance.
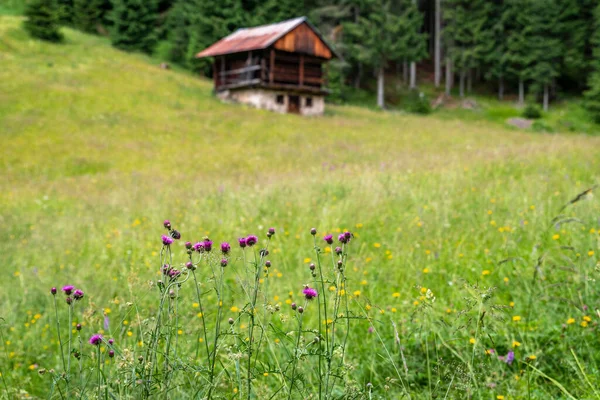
(461, 89)
(546, 96)
(501, 88)
(469, 80)
(380, 101)
(521, 92)
(413, 75)
(449, 76)
(358, 76)
(405, 72)
(438, 47)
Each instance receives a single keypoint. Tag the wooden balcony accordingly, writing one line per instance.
(277, 72)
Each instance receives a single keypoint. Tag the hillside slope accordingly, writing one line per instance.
(99, 146)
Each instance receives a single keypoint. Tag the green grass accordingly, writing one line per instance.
(98, 147)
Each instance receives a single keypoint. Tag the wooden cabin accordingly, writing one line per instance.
(278, 67)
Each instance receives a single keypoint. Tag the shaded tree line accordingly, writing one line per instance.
(535, 48)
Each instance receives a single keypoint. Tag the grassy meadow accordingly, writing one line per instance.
(456, 249)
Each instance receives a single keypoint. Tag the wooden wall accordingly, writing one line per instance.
(303, 40)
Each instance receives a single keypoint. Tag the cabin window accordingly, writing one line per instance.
(309, 102)
(280, 99)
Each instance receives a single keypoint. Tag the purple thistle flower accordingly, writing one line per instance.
(271, 231)
(78, 294)
(69, 300)
(53, 291)
(111, 341)
(167, 224)
(251, 240)
(68, 289)
(510, 357)
(242, 242)
(96, 339)
(348, 235)
(338, 250)
(78, 327)
(224, 262)
(167, 240)
(188, 245)
(174, 273)
(313, 231)
(189, 265)
(111, 353)
(208, 245)
(199, 247)
(328, 239)
(166, 268)
(106, 322)
(225, 248)
(310, 293)
(342, 238)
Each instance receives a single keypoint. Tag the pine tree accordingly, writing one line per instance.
(65, 11)
(375, 39)
(134, 25)
(178, 26)
(466, 25)
(209, 24)
(272, 11)
(43, 20)
(413, 43)
(575, 27)
(88, 15)
(592, 95)
(516, 56)
(495, 46)
(544, 46)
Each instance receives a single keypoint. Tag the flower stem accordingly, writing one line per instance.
(99, 375)
(203, 321)
(295, 361)
(62, 353)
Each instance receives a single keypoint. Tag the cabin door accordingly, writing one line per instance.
(294, 104)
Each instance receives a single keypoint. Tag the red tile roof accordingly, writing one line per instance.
(247, 39)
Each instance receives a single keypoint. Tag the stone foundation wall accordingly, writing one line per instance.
(268, 100)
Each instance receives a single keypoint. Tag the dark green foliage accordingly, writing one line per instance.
(65, 11)
(134, 25)
(592, 95)
(417, 102)
(385, 31)
(494, 52)
(178, 38)
(467, 31)
(531, 111)
(544, 46)
(89, 15)
(43, 20)
(271, 11)
(516, 56)
(576, 26)
(208, 24)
